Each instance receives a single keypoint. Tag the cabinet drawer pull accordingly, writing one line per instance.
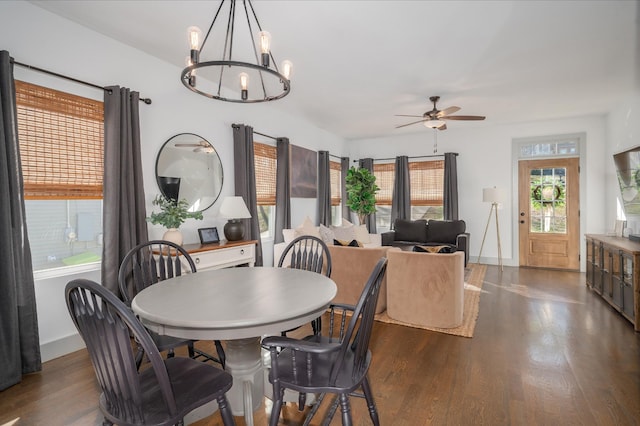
(197, 260)
(241, 251)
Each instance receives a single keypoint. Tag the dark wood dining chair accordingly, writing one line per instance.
(159, 395)
(308, 253)
(336, 362)
(147, 264)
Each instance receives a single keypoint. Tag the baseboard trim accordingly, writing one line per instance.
(60, 347)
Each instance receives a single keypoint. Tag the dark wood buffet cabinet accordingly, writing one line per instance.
(613, 271)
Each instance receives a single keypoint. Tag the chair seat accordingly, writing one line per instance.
(319, 381)
(194, 384)
(167, 342)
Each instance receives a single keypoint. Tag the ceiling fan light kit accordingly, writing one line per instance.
(258, 81)
(434, 119)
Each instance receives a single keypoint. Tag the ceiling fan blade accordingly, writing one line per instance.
(402, 115)
(463, 117)
(187, 144)
(447, 111)
(443, 127)
(409, 124)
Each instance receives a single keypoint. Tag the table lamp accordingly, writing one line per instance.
(234, 209)
(494, 196)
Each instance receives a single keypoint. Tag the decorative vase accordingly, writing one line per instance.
(174, 235)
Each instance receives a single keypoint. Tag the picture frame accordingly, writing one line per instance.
(304, 172)
(208, 235)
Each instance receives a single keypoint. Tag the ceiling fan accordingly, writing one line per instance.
(435, 118)
(202, 146)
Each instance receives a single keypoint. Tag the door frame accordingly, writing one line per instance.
(517, 144)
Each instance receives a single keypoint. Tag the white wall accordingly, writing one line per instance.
(39, 38)
(485, 160)
(623, 125)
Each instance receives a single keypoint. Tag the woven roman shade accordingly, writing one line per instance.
(335, 175)
(385, 174)
(61, 143)
(265, 158)
(427, 182)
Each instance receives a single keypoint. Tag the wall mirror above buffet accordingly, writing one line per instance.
(188, 167)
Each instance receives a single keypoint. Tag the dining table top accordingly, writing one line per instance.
(234, 303)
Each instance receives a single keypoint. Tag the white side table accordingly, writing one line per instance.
(223, 254)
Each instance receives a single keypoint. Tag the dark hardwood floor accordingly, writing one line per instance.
(546, 351)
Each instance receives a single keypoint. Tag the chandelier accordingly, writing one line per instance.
(245, 76)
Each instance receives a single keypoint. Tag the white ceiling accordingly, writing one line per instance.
(358, 63)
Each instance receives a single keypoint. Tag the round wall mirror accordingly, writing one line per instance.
(189, 168)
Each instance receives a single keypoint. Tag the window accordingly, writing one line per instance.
(385, 175)
(427, 188)
(335, 177)
(265, 158)
(61, 148)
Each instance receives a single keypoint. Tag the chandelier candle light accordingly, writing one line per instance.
(234, 209)
(251, 76)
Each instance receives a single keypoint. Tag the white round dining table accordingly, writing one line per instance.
(238, 305)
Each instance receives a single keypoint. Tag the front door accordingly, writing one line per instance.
(549, 216)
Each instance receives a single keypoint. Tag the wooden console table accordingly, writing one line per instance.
(613, 272)
(223, 254)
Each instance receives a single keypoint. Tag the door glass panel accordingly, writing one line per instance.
(547, 201)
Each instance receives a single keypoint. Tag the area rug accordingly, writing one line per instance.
(473, 278)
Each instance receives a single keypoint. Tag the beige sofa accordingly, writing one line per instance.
(425, 288)
(350, 270)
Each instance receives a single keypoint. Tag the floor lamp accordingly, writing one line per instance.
(494, 196)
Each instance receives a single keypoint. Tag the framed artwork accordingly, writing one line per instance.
(208, 235)
(304, 172)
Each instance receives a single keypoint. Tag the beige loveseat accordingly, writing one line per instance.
(425, 288)
(350, 270)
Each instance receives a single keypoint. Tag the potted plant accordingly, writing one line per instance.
(173, 213)
(361, 188)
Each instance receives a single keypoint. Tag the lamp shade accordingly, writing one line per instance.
(234, 208)
(433, 124)
(493, 195)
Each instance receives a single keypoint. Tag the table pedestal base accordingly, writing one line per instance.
(244, 363)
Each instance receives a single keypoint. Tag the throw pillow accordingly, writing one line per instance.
(445, 231)
(343, 243)
(434, 249)
(307, 228)
(411, 230)
(326, 234)
(362, 234)
(345, 233)
(288, 235)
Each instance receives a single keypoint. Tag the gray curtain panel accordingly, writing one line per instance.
(124, 214)
(283, 188)
(367, 163)
(324, 189)
(344, 167)
(401, 199)
(19, 340)
(245, 181)
(450, 196)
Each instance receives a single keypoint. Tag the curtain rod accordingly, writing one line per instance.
(75, 80)
(335, 156)
(266, 136)
(410, 158)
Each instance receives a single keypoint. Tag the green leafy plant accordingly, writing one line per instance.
(361, 188)
(172, 213)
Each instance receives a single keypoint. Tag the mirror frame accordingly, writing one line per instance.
(170, 186)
